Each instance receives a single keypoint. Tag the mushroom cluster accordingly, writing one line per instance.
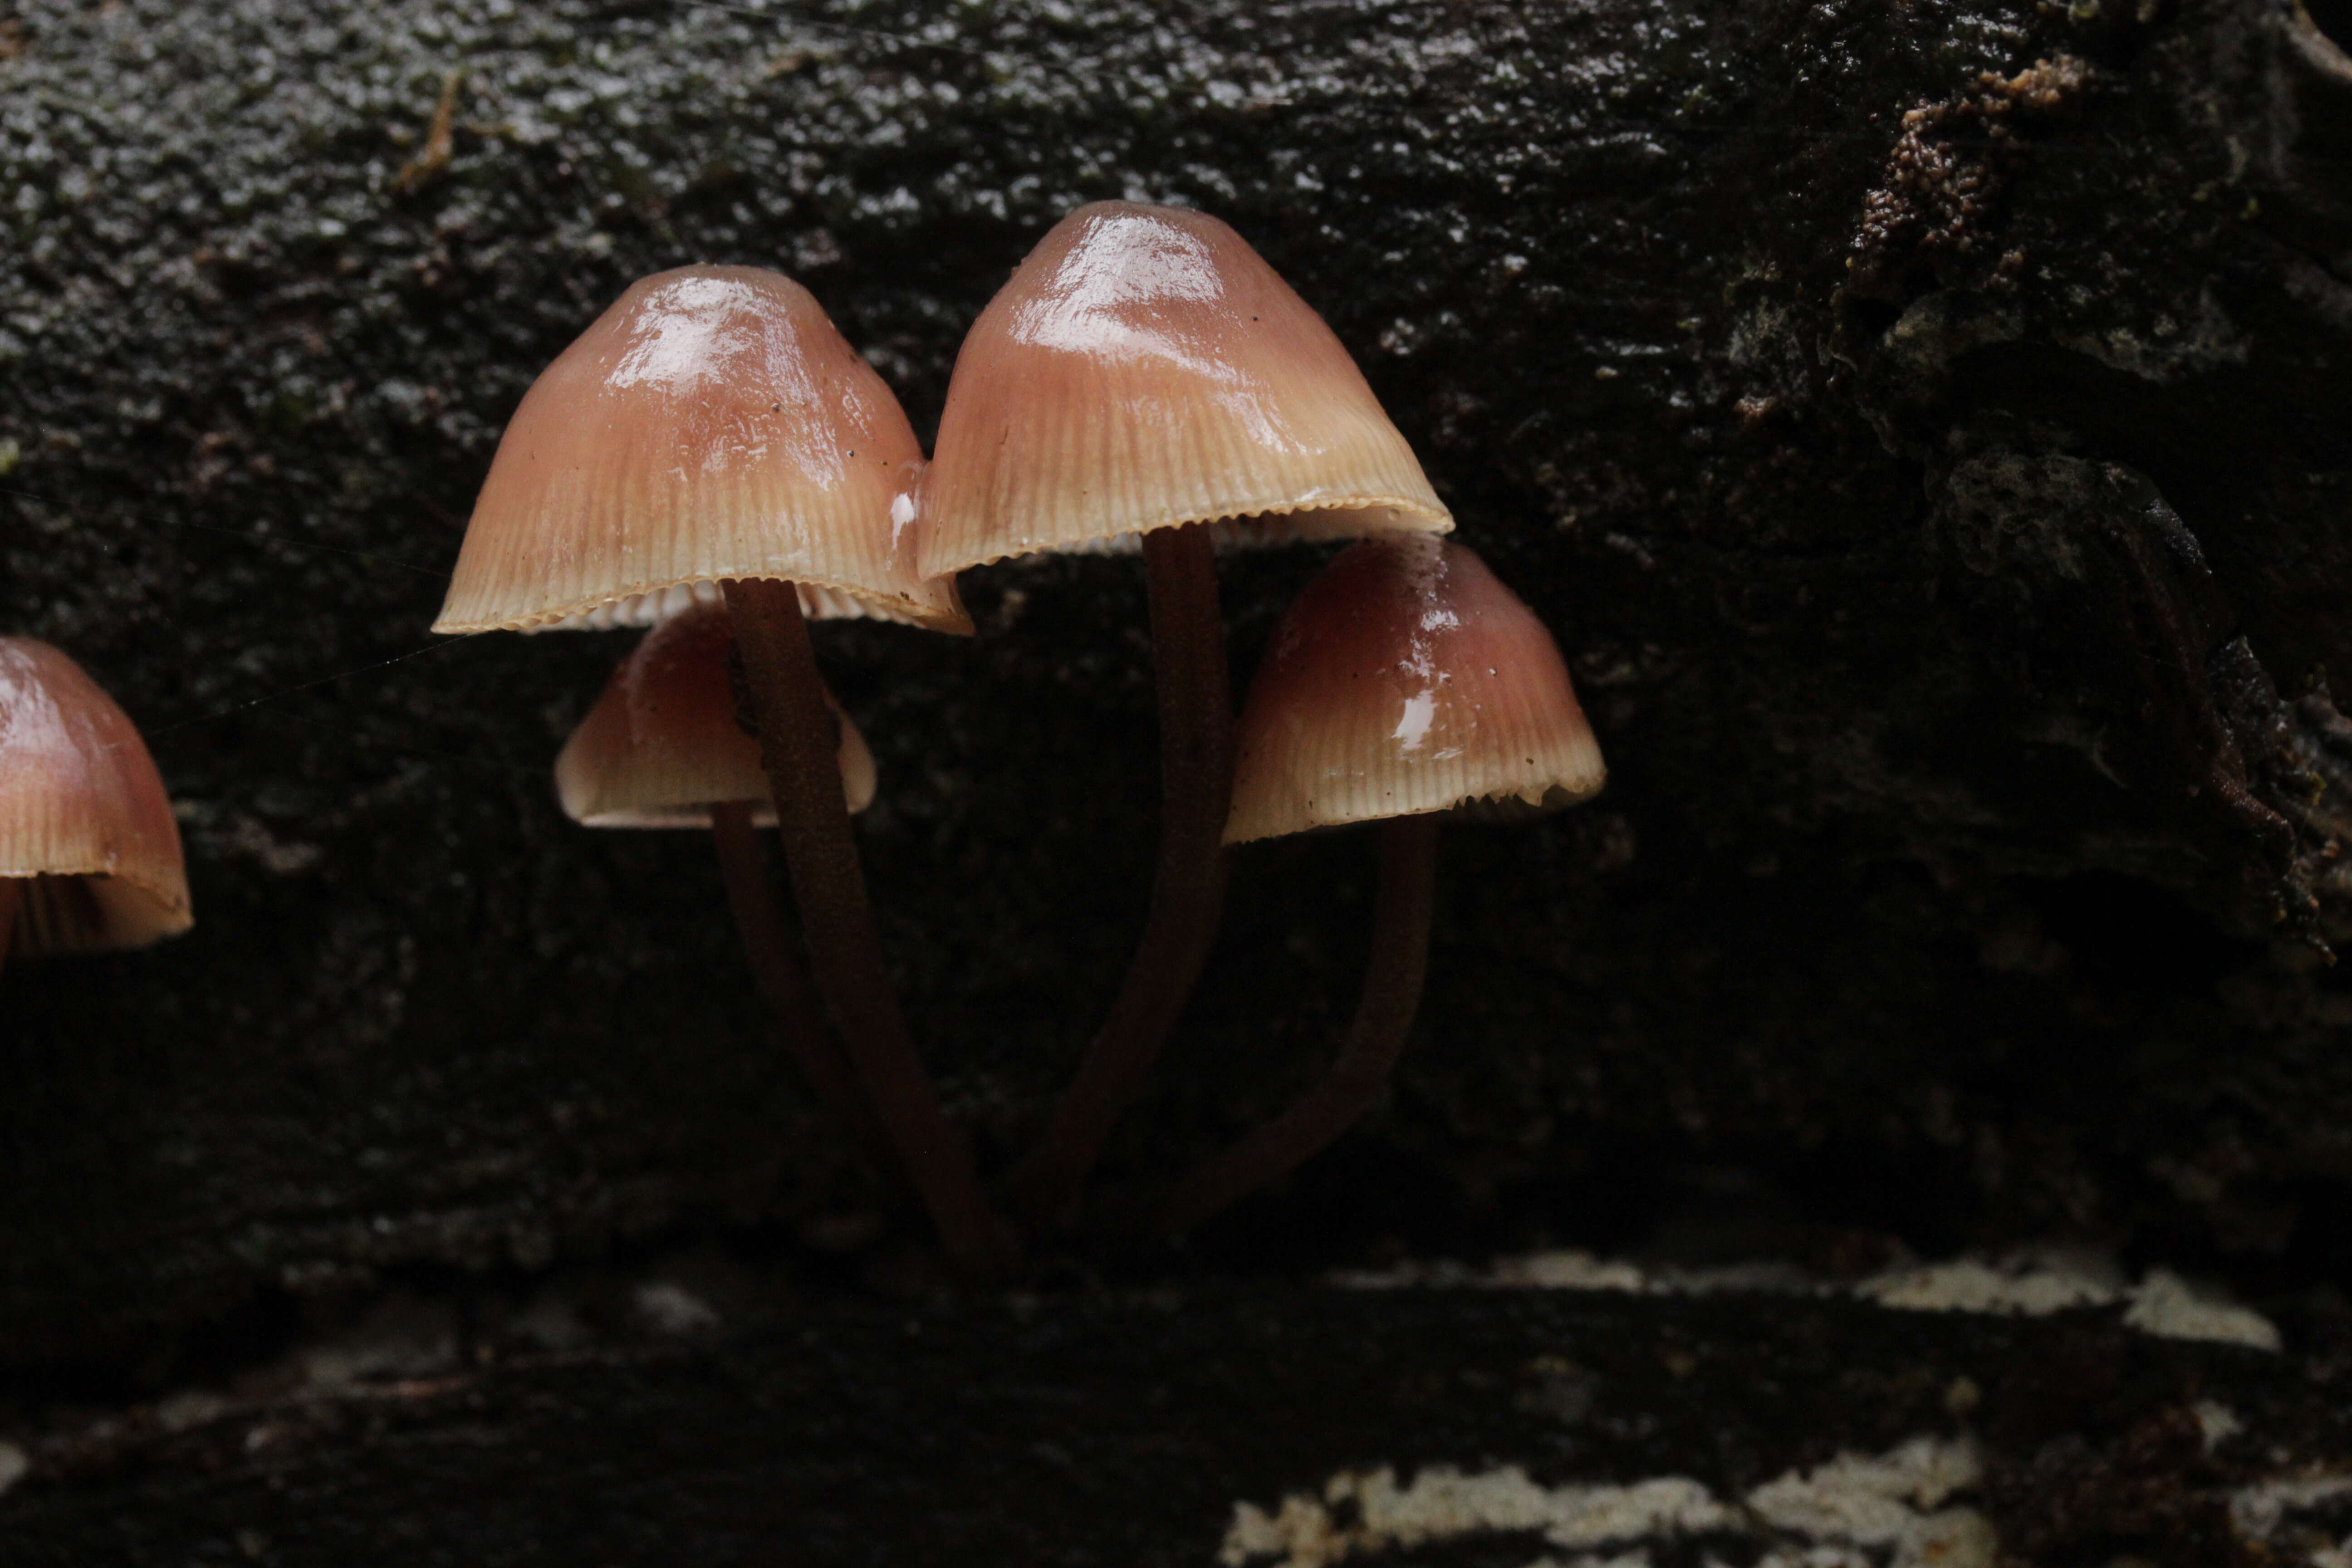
(713, 460)
(1145, 375)
(711, 433)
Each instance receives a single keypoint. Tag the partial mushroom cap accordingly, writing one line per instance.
(1144, 369)
(663, 743)
(712, 424)
(1407, 679)
(82, 813)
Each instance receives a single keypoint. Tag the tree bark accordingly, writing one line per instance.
(1259, 1426)
(1924, 428)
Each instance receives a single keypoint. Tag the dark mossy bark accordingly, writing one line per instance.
(1149, 1429)
(1927, 428)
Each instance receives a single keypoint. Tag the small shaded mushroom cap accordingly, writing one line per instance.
(712, 424)
(1145, 369)
(1407, 679)
(82, 813)
(663, 742)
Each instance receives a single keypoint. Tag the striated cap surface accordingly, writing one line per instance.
(712, 424)
(1406, 678)
(82, 813)
(662, 741)
(1143, 369)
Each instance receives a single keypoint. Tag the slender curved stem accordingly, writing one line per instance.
(1188, 885)
(10, 889)
(1394, 972)
(797, 744)
(784, 986)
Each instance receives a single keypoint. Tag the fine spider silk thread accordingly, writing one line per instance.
(257, 706)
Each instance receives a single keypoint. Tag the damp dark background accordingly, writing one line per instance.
(1925, 429)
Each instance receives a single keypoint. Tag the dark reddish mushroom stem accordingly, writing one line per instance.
(9, 893)
(784, 986)
(1376, 1038)
(1188, 885)
(797, 745)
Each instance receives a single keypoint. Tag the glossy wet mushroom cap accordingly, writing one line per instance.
(1407, 679)
(86, 831)
(1145, 368)
(665, 741)
(712, 424)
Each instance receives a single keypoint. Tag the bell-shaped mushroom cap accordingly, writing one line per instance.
(1406, 678)
(82, 813)
(663, 742)
(712, 424)
(1143, 369)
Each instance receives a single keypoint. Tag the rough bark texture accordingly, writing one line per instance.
(1927, 428)
(1143, 1429)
